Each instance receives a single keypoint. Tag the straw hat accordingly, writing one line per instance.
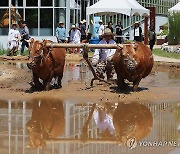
(107, 32)
(61, 22)
(100, 21)
(137, 22)
(73, 26)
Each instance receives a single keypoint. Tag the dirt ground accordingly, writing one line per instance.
(14, 86)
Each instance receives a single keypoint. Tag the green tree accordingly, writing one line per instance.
(174, 28)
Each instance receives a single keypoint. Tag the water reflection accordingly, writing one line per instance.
(63, 127)
(47, 121)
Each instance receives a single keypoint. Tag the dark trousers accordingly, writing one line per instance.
(151, 44)
(24, 43)
(137, 38)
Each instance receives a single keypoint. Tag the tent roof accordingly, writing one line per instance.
(128, 7)
(175, 8)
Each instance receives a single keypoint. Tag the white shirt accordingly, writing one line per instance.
(101, 30)
(13, 35)
(75, 36)
(136, 31)
(106, 123)
(107, 53)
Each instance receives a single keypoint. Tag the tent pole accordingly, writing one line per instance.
(130, 32)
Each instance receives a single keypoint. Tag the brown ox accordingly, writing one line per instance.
(47, 121)
(132, 62)
(132, 120)
(46, 63)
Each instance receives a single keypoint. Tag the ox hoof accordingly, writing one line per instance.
(135, 88)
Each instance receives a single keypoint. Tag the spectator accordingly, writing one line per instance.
(83, 30)
(137, 32)
(102, 58)
(151, 37)
(75, 36)
(61, 33)
(13, 39)
(110, 26)
(100, 30)
(119, 29)
(25, 37)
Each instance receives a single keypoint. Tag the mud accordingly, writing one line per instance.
(161, 85)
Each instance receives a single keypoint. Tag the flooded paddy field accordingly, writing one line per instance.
(159, 93)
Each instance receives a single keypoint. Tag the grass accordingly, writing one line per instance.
(161, 53)
(5, 52)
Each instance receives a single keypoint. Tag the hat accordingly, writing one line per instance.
(108, 32)
(14, 23)
(137, 22)
(73, 26)
(81, 22)
(84, 20)
(100, 21)
(61, 22)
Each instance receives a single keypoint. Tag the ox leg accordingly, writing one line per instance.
(47, 82)
(121, 84)
(135, 84)
(37, 83)
(59, 80)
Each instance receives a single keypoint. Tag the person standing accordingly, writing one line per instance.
(100, 30)
(151, 37)
(83, 31)
(61, 33)
(110, 24)
(102, 58)
(119, 29)
(13, 39)
(25, 36)
(75, 36)
(137, 32)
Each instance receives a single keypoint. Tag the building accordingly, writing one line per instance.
(42, 16)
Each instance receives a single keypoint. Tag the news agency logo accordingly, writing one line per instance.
(132, 143)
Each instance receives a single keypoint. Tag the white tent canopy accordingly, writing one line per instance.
(175, 8)
(128, 7)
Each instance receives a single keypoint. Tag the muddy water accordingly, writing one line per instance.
(156, 126)
(72, 72)
(80, 72)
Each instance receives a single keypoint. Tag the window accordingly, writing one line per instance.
(17, 2)
(4, 3)
(59, 3)
(32, 21)
(4, 22)
(46, 2)
(31, 2)
(46, 21)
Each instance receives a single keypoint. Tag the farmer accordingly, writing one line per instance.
(13, 39)
(102, 58)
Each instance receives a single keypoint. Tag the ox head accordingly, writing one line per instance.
(36, 53)
(128, 56)
(36, 135)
